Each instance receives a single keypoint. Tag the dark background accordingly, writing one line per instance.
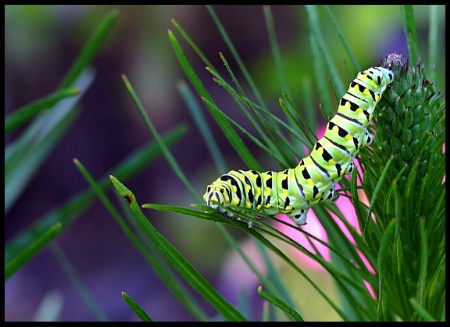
(40, 44)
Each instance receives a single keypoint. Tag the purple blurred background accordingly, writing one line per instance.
(40, 44)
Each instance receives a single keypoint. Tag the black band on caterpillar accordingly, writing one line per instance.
(293, 191)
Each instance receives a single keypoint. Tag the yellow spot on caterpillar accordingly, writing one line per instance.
(310, 182)
(236, 202)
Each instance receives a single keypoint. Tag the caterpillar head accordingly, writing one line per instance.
(218, 193)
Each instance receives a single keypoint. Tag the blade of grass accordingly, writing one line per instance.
(265, 123)
(322, 86)
(249, 215)
(16, 171)
(264, 241)
(268, 282)
(335, 235)
(346, 247)
(89, 50)
(243, 130)
(306, 134)
(166, 153)
(166, 275)
(230, 134)
(355, 298)
(65, 213)
(210, 67)
(265, 126)
(255, 232)
(136, 308)
(377, 189)
(308, 111)
(323, 52)
(274, 47)
(412, 38)
(398, 272)
(192, 44)
(424, 254)
(186, 270)
(202, 126)
(274, 276)
(426, 316)
(433, 45)
(27, 153)
(295, 316)
(26, 253)
(341, 38)
(433, 286)
(76, 281)
(25, 113)
(276, 141)
(77, 74)
(236, 57)
(382, 267)
(251, 104)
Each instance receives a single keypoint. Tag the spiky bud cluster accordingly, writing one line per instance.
(410, 117)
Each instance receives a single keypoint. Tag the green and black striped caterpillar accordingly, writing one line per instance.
(293, 191)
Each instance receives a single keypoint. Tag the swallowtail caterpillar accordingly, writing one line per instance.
(293, 191)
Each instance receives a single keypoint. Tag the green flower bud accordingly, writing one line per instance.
(397, 128)
(411, 109)
(415, 131)
(406, 152)
(396, 144)
(408, 118)
(406, 136)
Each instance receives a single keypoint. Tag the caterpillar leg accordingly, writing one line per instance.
(249, 222)
(350, 168)
(335, 197)
(231, 215)
(330, 195)
(298, 216)
(367, 139)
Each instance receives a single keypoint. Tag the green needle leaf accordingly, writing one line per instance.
(137, 309)
(186, 270)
